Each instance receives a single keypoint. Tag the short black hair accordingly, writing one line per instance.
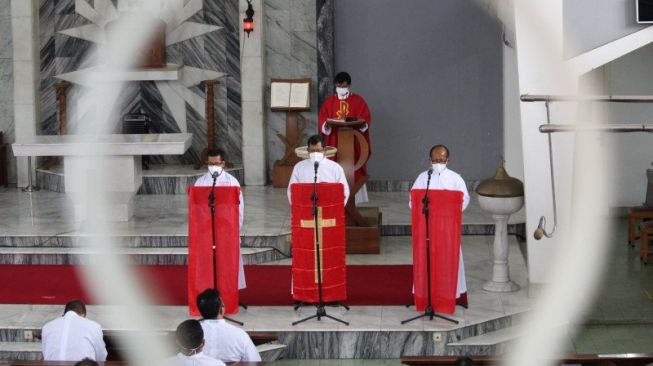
(343, 77)
(86, 362)
(464, 361)
(217, 152)
(438, 146)
(189, 335)
(209, 303)
(76, 306)
(314, 140)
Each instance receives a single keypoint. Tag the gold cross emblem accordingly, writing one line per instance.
(322, 223)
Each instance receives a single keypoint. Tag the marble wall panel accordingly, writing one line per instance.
(6, 51)
(290, 52)
(5, 7)
(7, 126)
(215, 51)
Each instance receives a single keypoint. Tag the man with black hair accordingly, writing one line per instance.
(328, 171)
(344, 105)
(190, 341)
(216, 164)
(72, 337)
(222, 340)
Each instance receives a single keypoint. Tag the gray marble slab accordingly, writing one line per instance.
(215, 51)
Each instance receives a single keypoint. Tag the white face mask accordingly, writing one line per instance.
(439, 167)
(343, 93)
(316, 156)
(215, 169)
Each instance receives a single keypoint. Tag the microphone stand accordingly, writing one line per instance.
(428, 312)
(213, 247)
(320, 311)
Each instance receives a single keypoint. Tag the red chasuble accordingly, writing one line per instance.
(354, 106)
(227, 241)
(331, 234)
(445, 219)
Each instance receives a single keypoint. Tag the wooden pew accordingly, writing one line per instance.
(116, 351)
(626, 359)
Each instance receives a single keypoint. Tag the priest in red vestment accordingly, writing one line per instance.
(341, 105)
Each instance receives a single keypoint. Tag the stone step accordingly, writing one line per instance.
(271, 352)
(21, 351)
(77, 239)
(139, 256)
(490, 343)
(158, 179)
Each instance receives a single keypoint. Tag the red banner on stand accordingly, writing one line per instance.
(200, 246)
(331, 235)
(445, 219)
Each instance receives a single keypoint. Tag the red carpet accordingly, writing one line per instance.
(266, 285)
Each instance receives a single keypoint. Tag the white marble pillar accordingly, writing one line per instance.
(252, 71)
(25, 37)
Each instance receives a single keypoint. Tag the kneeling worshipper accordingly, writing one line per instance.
(216, 163)
(444, 178)
(72, 337)
(223, 341)
(190, 341)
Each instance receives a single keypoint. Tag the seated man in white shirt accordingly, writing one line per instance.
(216, 163)
(190, 341)
(72, 337)
(223, 341)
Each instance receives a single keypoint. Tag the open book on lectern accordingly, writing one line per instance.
(290, 94)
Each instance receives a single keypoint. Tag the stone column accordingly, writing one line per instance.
(25, 37)
(252, 66)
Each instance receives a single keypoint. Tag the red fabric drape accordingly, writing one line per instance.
(227, 240)
(445, 218)
(332, 225)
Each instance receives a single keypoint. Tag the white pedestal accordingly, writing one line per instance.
(116, 178)
(500, 208)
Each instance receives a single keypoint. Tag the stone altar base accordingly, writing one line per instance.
(281, 175)
(365, 240)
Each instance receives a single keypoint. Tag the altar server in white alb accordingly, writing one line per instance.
(223, 341)
(72, 337)
(444, 178)
(216, 162)
(328, 171)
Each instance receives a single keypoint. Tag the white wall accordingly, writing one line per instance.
(633, 152)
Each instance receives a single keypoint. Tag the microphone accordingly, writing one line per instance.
(315, 165)
(430, 171)
(215, 175)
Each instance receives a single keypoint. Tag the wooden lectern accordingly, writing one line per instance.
(363, 223)
(291, 96)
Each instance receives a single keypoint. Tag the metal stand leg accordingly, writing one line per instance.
(30, 187)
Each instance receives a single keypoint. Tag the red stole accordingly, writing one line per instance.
(445, 219)
(331, 224)
(227, 242)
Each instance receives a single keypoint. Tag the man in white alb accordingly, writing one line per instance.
(223, 341)
(72, 337)
(328, 171)
(443, 178)
(216, 163)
